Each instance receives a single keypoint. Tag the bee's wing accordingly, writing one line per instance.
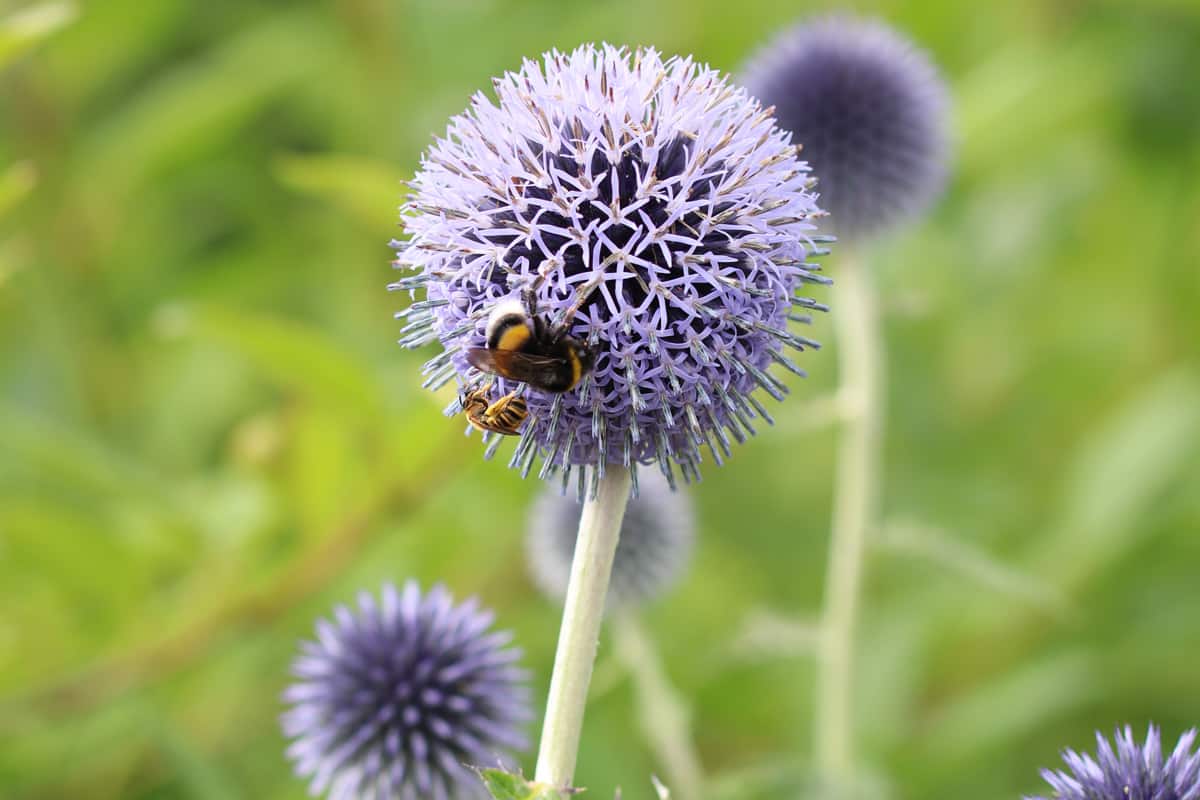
(481, 359)
(518, 366)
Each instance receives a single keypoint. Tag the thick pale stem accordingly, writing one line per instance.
(599, 529)
(856, 495)
(663, 714)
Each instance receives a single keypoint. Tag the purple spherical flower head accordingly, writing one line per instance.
(395, 700)
(1131, 772)
(649, 206)
(869, 110)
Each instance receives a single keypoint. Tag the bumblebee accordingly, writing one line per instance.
(522, 346)
(504, 416)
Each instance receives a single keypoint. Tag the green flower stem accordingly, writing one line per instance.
(663, 714)
(599, 529)
(856, 493)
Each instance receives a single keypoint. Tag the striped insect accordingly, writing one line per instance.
(504, 416)
(522, 346)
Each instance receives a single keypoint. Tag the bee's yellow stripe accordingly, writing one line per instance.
(513, 337)
(576, 367)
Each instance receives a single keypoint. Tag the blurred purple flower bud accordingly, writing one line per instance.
(869, 110)
(657, 536)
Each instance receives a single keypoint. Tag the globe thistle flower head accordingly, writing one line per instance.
(396, 698)
(653, 551)
(870, 111)
(1131, 771)
(647, 209)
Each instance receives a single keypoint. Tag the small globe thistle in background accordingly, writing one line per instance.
(653, 551)
(647, 205)
(869, 110)
(1132, 772)
(396, 699)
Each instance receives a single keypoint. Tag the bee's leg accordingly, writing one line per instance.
(482, 385)
(529, 297)
(581, 296)
(498, 407)
(475, 391)
(529, 300)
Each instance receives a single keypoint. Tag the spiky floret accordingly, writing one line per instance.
(658, 532)
(870, 110)
(660, 201)
(1132, 771)
(395, 701)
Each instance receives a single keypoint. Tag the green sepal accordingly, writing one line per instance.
(514, 786)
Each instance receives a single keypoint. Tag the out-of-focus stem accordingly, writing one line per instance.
(662, 714)
(856, 494)
(599, 529)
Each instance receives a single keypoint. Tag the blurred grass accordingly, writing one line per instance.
(208, 437)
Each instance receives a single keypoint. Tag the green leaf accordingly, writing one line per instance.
(21, 30)
(296, 357)
(514, 786)
(16, 182)
(959, 556)
(84, 62)
(1014, 705)
(80, 464)
(368, 190)
(64, 546)
(1118, 473)
(1023, 88)
(322, 469)
(202, 102)
(195, 771)
(771, 776)
(767, 634)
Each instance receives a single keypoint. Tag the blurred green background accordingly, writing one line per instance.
(208, 436)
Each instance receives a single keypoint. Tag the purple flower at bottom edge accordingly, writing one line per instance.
(1132, 771)
(396, 699)
(650, 207)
